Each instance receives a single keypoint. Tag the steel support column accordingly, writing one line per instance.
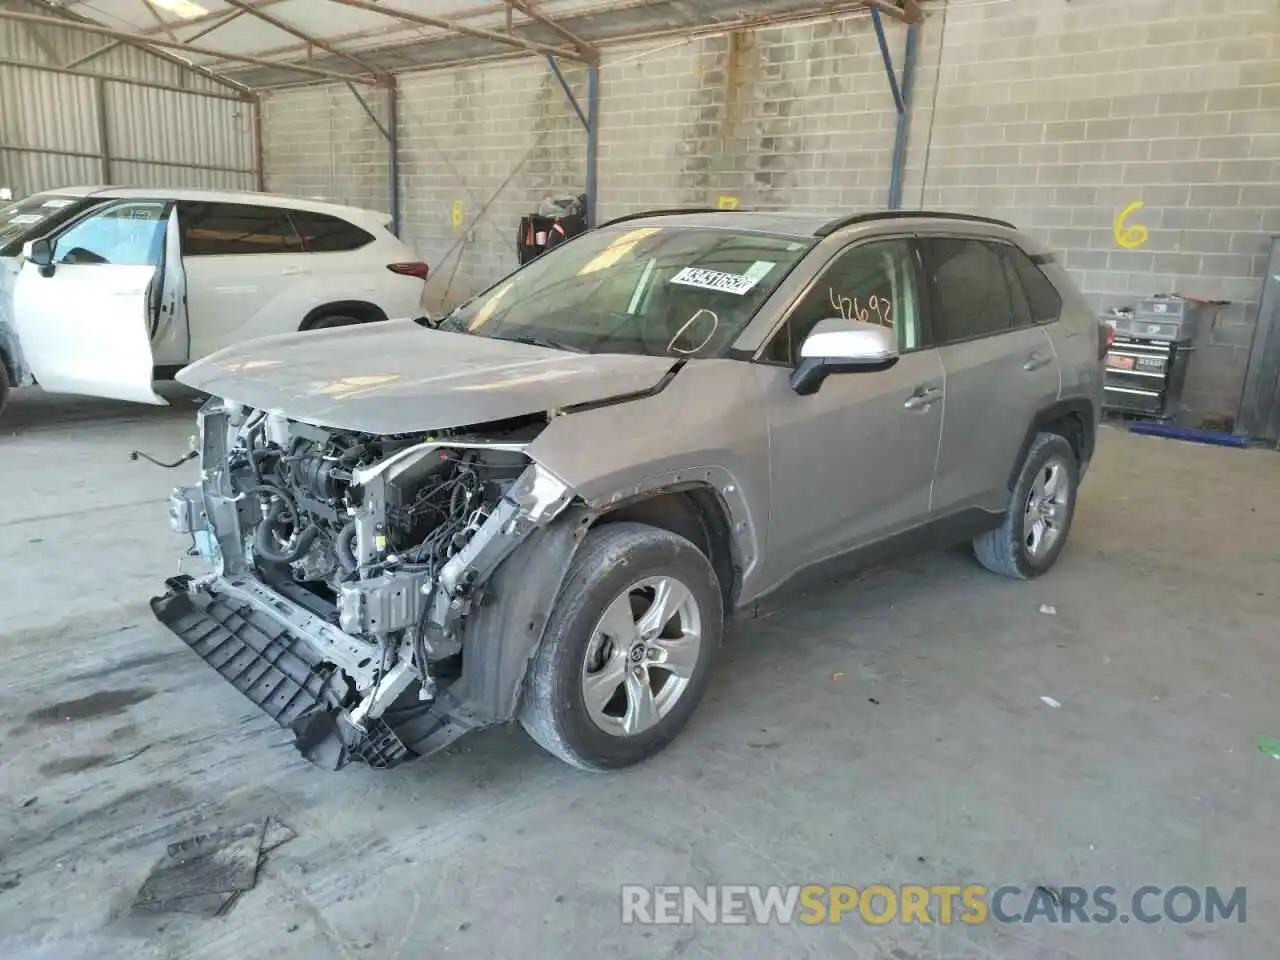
(901, 90)
(590, 119)
(593, 140)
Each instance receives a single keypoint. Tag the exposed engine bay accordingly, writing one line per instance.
(347, 564)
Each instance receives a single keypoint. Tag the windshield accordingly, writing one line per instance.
(662, 291)
(32, 217)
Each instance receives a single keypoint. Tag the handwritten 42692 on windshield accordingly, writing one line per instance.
(876, 309)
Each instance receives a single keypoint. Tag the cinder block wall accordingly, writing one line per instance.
(1057, 114)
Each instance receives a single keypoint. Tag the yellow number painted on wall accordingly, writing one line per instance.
(728, 203)
(456, 215)
(1130, 235)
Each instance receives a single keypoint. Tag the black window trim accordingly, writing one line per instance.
(926, 329)
(988, 240)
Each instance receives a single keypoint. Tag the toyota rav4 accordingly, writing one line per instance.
(545, 505)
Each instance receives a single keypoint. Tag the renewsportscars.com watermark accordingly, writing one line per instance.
(917, 904)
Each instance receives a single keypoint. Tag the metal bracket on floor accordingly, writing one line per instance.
(901, 90)
(590, 122)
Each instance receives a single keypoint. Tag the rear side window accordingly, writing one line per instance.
(322, 233)
(968, 290)
(1043, 300)
(232, 229)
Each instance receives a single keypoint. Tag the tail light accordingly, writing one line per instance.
(415, 269)
(1106, 338)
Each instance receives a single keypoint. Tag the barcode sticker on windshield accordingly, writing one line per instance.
(715, 280)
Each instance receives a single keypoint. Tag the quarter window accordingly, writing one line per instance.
(325, 234)
(125, 234)
(872, 282)
(1043, 300)
(235, 229)
(970, 296)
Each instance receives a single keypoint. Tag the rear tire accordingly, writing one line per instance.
(1038, 519)
(598, 639)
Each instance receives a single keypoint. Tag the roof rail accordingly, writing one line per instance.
(674, 212)
(829, 228)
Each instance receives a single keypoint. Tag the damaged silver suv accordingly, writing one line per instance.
(547, 505)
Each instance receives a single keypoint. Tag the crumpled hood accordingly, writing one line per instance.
(401, 377)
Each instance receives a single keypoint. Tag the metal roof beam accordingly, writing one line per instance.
(533, 14)
(302, 35)
(128, 81)
(210, 27)
(146, 41)
(409, 16)
(69, 19)
(93, 53)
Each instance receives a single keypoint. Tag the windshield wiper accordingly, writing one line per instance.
(543, 342)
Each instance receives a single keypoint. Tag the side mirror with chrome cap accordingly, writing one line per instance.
(837, 345)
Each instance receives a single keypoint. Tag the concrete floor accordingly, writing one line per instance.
(888, 731)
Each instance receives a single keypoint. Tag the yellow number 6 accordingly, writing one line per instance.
(1130, 236)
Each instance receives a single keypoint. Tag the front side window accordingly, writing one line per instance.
(35, 217)
(130, 233)
(322, 233)
(673, 291)
(872, 282)
(970, 297)
(231, 229)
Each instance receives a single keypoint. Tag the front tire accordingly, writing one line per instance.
(628, 648)
(4, 386)
(1041, 507)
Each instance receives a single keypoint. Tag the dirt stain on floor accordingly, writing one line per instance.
(104, 703)
(55, 768)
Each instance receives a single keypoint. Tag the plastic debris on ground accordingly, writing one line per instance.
(1050, 702)
(205, 875)
(1048, 610)
(1269, 745)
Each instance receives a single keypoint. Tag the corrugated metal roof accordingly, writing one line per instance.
(388, 44)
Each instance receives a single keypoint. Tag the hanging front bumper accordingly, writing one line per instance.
(288, 673)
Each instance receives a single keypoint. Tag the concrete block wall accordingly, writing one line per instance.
(319, 142)
(1057, 114)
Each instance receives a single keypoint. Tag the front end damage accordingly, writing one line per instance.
(358, 592)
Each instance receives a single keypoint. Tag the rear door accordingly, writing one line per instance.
(238, 258)
(1001, 369)
(84, 321)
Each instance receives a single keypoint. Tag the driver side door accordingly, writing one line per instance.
(84, 319)
(854, 462)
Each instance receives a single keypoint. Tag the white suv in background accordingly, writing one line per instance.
(138, 282)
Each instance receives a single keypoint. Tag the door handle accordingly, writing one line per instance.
(923, 398)
(1037, 360)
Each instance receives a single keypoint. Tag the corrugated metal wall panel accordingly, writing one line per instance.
(32, 172)
(51, 45)
(150, 124)
(160, 175)
(47, 110)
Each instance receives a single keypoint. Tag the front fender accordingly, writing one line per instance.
(505, 630)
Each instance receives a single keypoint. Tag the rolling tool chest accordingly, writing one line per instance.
(1147, 364)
